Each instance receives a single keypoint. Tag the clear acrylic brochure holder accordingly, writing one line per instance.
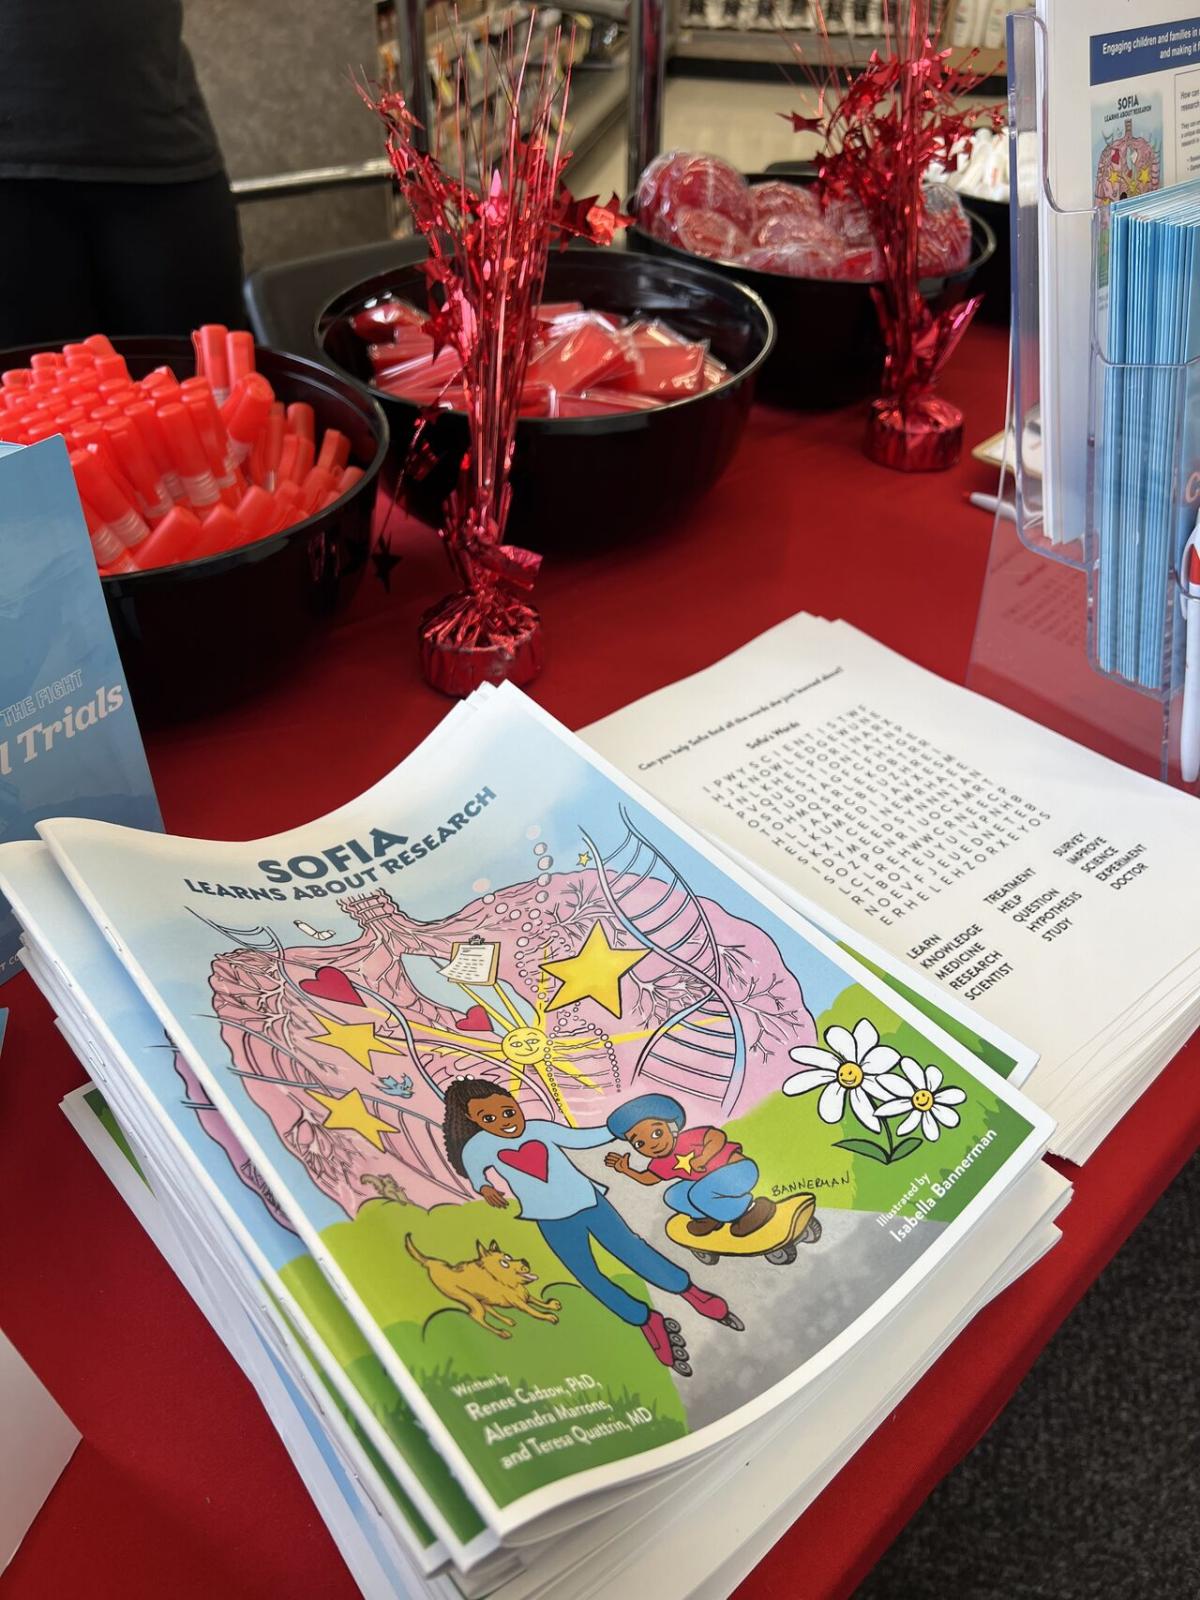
(1049, 619)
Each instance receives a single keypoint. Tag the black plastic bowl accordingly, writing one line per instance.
(994, 279)
(585, 482)
(198, 635)
(829, 351)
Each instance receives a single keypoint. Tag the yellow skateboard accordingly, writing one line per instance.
(793, 1224)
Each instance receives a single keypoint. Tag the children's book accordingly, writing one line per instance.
(696, 1540)
(313, 1334)
(605, 1151)
(349, 1514)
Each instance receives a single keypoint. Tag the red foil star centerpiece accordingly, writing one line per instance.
(881, 130)
(489, 238)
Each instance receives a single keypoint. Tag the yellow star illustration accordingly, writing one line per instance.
(357, 1039)
(684, 1163)
(595, 973)
(350, 1111)
(585, 858)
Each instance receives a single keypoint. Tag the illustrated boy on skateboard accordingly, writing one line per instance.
(486, 1132)
(711, 1178)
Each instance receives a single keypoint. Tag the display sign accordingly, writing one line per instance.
(69, 741)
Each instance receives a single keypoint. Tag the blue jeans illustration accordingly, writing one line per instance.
(723, 1195)
(571, 1240)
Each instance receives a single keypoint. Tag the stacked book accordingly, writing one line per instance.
(575, 1202)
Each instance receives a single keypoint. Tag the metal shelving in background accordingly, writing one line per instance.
(743, 33)
(622, 50)
(453, 50)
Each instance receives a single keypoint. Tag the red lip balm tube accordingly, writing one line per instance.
(212, 358)
(198, 398)
(256, 514)
(239, 356)
(300, 420)
(145, 419)
(246, 414)
(289, 506)
(267, 451)
(221, 531)
(177, 538)
(97, 487)
(335, 451)
(187, 453)
(137, 466)
(315, 487)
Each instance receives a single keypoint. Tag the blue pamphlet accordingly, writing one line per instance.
(1148, 433)
(69, 741)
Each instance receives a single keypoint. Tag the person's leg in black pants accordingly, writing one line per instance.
(46, 291)
(166, 257)
(116, 258)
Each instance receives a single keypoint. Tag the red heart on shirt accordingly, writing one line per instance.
(475, 1021)
(331, 983)
(531, 1158)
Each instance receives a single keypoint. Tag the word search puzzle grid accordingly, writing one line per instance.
(881, 813)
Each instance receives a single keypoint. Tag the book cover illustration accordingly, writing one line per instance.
(198, 1143)
(602, 1151)
(339, 1497)
(1127, 147)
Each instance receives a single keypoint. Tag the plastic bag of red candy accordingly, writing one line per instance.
(704, 206)
(587, 363)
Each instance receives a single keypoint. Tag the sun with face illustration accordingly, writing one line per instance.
(522, 1037)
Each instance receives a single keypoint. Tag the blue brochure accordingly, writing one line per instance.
(1148, 433)
(69, 741)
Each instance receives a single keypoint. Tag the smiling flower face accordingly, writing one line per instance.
(849, 1069)
(918, 1096)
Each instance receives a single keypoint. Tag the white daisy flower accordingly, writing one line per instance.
(919, 1093)
(849, 1069)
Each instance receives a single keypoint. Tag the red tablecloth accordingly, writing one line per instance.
(180, 1487)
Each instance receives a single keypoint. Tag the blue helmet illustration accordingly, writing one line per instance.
(645, 1105)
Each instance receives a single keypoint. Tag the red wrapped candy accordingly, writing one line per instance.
(583, 363)
(384, 317)
(790, 227)
(705, 183)
(775, 199)
(603, 403)
(944, 242)
(669, 370)
(588, 351)
(708, 233)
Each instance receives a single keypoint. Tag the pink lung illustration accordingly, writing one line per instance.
(219, 1131)
(349, 1047)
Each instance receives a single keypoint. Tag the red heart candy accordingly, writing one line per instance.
(531, 1158)
(475, 1021)
(331, 983)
